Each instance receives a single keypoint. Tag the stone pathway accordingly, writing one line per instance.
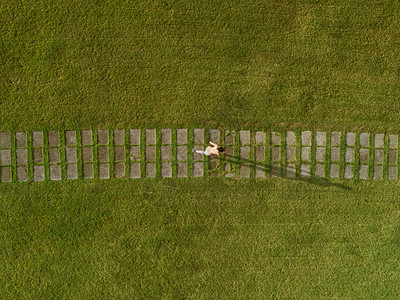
(150, 153)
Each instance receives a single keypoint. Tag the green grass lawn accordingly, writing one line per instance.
(257, 64)
(200, 239)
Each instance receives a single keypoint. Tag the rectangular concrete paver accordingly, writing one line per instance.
(165, 152)
(229, 150)
(22, 173)
(335, 138)
(245, 152)
(364, 156)
(392, 159)
(166, 136)
(150, 136)
(86, 137)
(55, 172)
(306, 138)
(119, 137)
(363, 172)
(21, 156)
(87, 170)
(259, 153)
(5, 174)
(20, 139)
(244, 137)
(260, 137)
(166, 170)
(198, 156)
(229, 138)
(72, 171)
(119, 153)
(134, 153)
(349, 154)
(290, 138)
(275, 170)
(334, 171)
(214, 136)
(335, 154)
(53, 138)
(348, 171)
(198, 169)
(134, 136)
(379, 140)
(5, 157)
(378, 159)
(392, 173)
(150, 170)
(182, 169)
(102, 153)
(119, 170)
(319, 170)
(244, 171)
(37, 155)
(320, 154)
(181, 136)
(228, 171)
(181, 153)
(290, 171)
(38, 173)
(70, 138)
(54, 156)
(134, 170)
(378, 174)
(320, 138)
(350, 138)
(275, 138)
(290, 153)
(150, 153)
(5, 140)
(87, 154)
(275, 153)
(305, 170)
(198, 136)
(104, 171)
(102, 136)
(306, 153)
(260, 172)
(364, 139)
(37, 139)
(393, 141)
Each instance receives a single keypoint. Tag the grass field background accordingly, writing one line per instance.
(207, 64)
(88, 64)
(200, 239)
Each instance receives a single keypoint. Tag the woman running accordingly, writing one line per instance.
(211, 150)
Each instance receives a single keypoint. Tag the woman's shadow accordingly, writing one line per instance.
(277, 172)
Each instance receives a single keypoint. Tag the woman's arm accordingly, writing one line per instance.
(215, 145)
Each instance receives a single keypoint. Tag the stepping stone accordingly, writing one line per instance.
(134, 138)
(334, 171)
(319, 170)
(37, 139)
(364, 156)
(348, 171)
(5, 157)
(320, 138)
(335, 154)
(119, 170)
(22, 173)
(320, 154)
(119, 153)
(392, 157)
(54, 156)
(379, 140)
(102, 136)
(392, 173)
(87, 154)
(378, 159)
(119, 137)
(275, 170)
(102, 153)
(214, 136)
(229, 137)
(212, 164)
(229, 150)
(86, 137)
(244, 136)
(53, 138)
(181, 153)
(55, 172)
(363, 173)
(393, 141)
(198, 136)
(166, 170)
(259, 153)
(275, 138)
(260, 137)
(306, 138)
(70, 138)
(5, 140)
(244, 171)
(350, 139)
(305, 153)
(364, 139)
(166, 136)
(37, 155)
(198, 156)
(38, 173)
(181, 169)
(349, 154)
(181, 136)
(245, 152)
(198, 169)
(104, 171)
(151, 153)
(165, 152)
(260, 172)
(275, 153)
(150, 170)
(305, 170)
(72, 171)
(228, 171)
(378, 174)
(290, 153)
(290, 138)
(335, 138)
(134, 152)
(290, 171)
(87, 170)
(5, 174)
(20, 139)
(134, 170)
